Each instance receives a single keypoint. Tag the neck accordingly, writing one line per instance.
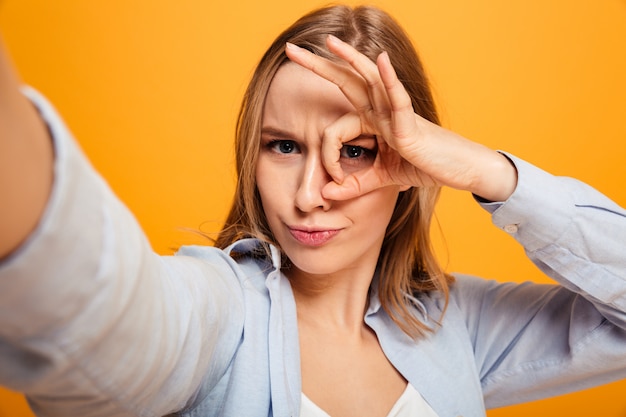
(333, 302)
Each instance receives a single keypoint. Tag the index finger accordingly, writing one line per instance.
(350, 83)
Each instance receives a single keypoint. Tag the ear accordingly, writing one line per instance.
(404, 188)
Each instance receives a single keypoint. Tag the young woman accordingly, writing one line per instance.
(322, 296)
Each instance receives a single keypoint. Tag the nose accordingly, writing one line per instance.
(313, 178)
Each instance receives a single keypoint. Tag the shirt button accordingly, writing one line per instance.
(511, 228)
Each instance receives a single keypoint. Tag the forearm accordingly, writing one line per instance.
(26, 161)
(462, 164)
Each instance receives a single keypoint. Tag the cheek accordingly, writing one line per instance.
(260, 179)
(263, 183)
(265, 178)
(273, 186)
(378, 206)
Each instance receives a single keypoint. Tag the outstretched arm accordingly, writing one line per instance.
(25, 162)
(92, 321)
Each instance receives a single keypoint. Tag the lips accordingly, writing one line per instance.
(313, 237)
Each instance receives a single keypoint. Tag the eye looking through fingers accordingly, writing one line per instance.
(358, 154)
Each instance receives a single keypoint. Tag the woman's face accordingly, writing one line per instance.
(319, 236)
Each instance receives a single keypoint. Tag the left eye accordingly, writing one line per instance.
(351, 151)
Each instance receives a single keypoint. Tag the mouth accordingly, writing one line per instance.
(313, 237)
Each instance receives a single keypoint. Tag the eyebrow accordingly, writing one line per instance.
(272, 131)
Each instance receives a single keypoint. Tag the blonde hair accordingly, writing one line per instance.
(407, 265)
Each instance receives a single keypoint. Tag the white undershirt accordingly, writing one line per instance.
(410, 403)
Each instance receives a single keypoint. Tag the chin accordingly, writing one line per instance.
(317, 265)
(309, 269)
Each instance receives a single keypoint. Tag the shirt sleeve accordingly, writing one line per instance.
(92, 321)
(533, 341)
(572, 232)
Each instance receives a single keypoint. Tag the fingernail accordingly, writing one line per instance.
(385, 57)
(334, 39)
(291, 46)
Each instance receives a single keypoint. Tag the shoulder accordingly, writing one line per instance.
(246, 261)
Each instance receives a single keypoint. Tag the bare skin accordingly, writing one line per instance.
(25, 162)
(344, 370)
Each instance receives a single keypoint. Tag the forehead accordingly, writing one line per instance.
(297, 93)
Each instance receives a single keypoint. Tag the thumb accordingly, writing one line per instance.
(353, 185)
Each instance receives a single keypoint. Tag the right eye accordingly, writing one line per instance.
(283, 146)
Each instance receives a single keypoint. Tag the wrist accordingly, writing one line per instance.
(499, 179)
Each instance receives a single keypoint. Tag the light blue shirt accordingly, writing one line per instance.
(93, 323)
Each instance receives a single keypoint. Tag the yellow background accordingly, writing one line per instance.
(151, 90)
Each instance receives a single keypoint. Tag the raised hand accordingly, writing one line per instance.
(411, 150)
